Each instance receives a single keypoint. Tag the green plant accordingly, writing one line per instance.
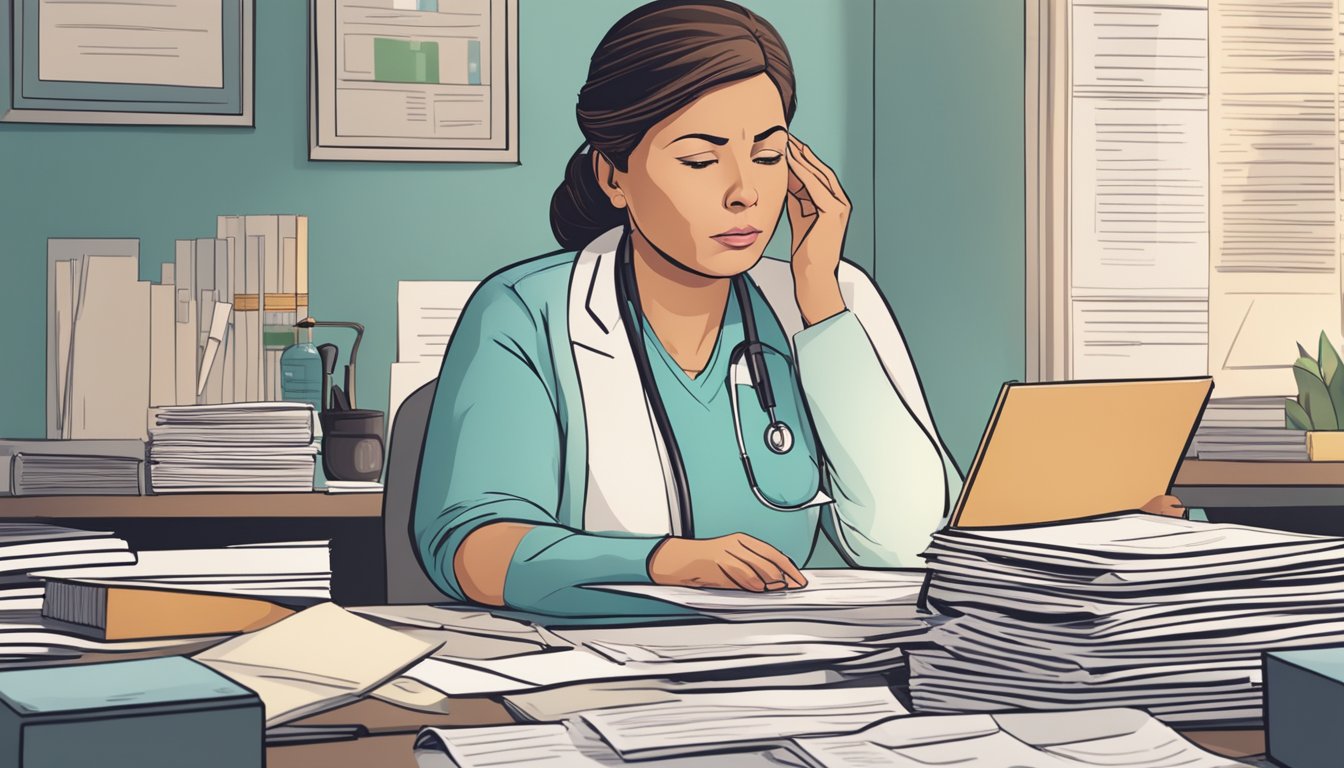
(1320, 390)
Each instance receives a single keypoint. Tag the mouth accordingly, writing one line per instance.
(738, 237)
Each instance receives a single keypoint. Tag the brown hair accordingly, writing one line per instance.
(654, 61)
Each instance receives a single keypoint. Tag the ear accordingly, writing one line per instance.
(605, 173)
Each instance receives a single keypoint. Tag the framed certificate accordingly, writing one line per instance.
(414, 80)
(171, 62)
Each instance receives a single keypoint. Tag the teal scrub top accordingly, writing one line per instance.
(700, 411)
(506, 441)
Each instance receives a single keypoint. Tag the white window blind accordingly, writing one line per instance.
(1183, 186)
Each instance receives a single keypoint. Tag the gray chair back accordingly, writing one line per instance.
(406, 579)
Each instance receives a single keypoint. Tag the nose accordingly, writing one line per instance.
(741, 192)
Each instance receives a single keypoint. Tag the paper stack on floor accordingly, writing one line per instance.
(242, 447)
(1166, 614)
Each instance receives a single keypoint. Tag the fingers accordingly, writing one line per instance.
(781, 567)
(823, 170)
(813, 184)
(798, 194)
(741, 577)
(769, 575)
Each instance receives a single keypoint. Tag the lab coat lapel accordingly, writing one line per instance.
(628, 488)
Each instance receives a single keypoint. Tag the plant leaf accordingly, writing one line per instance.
(1305, 363)
(1295, 416)
(1302, 351)
(1329, 359)
(1315, 398)
(1336, 390)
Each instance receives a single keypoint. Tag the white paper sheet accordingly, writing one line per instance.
(716, 722)
(168, 42)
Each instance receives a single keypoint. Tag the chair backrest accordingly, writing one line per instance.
(406, 580)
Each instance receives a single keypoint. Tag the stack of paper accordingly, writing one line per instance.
(64, 467)
(836, 731)
(1247, 429)
(1088, 739)
(711, 725)
(1166, 614)
(837, 596)
(844, 626)
(27, 638)
(29, 547)
(293, 573)
(243, 447)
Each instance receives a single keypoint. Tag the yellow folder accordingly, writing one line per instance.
(1067, 450)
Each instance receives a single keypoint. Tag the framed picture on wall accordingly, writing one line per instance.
(414, 80)
(183, 62)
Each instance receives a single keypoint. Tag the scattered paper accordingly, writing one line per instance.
(317, 659)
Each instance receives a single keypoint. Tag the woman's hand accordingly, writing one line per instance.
(1169, 506)
(737, 561)
(818, 217)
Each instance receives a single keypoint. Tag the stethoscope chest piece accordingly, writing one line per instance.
(779, 437)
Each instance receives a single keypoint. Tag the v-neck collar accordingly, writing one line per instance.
(706, 385)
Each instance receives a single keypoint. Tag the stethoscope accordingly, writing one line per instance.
(778, 436)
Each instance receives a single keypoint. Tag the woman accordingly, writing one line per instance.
(593, 407)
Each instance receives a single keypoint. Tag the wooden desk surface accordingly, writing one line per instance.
(1261, 473)
(196, 505)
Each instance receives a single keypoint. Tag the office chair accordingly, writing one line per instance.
(406, 581)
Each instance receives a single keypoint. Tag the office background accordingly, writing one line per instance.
(917, 105)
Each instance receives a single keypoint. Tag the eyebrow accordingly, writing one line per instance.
(720, 141)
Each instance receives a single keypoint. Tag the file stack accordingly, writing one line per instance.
(29, 547)
(1166, 614)
(1247, 429)
(242, 447)
(843, 627)
(72, 467)
(291, 573)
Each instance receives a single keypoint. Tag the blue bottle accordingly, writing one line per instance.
(301, 373)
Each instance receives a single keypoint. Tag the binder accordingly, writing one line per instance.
(1066, 450)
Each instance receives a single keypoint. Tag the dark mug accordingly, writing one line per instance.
(352, 444)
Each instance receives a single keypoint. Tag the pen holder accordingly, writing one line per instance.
(352, 444)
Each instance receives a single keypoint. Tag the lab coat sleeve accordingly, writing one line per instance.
(494, 452)
(891, 479)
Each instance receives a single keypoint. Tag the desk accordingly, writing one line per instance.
(1302, 496)
(352, 521)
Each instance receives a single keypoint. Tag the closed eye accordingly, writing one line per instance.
(769, 159)
(698, 163)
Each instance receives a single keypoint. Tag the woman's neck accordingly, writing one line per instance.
(685, 309)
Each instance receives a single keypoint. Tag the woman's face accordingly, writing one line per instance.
(706, 185)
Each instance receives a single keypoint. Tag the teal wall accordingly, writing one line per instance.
(950, 199)
(372, 224)
(938, 131)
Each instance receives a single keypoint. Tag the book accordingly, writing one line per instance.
(290, 573)
(139, 613)
(68, 467)
(143, 712)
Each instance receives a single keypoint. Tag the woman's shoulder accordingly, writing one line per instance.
(531, 284)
